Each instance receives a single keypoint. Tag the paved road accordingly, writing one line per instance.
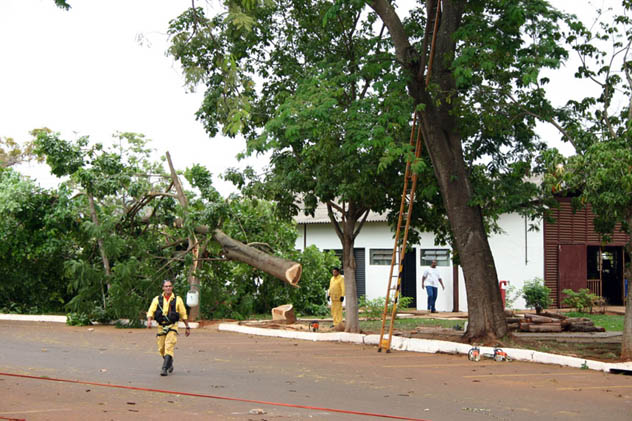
(216, 365)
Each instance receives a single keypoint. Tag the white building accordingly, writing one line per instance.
(518, 254)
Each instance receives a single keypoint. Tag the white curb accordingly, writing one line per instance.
(429, 346)
(33, 318)
(62, 319)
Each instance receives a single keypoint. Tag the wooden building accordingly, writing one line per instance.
(575, 256)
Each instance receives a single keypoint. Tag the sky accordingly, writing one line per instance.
(101, 68)
(98, 69)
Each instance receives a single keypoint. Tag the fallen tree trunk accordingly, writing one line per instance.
(585, 328)
(540, 319)
(553, 315)
(283, 269)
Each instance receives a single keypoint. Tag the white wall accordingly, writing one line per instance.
(516, 260)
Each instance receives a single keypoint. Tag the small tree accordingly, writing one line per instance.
(536, 294)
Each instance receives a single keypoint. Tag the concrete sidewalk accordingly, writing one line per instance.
(432, 346)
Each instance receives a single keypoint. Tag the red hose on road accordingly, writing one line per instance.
(199, 395)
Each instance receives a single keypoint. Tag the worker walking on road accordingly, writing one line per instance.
(167, 309)
(337, 294)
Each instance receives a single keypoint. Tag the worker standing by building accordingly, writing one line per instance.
(337, 294)
(432, 277)
(167, 309)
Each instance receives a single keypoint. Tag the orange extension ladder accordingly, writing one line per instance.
(408, 196)
(399, 250)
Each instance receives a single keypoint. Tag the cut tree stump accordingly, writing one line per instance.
(284, 313)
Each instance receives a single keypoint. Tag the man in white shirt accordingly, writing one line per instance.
(433, 278)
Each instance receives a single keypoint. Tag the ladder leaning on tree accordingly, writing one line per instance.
(399, 250)
(405, 210)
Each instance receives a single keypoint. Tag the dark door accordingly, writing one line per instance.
(571, 268)
(612, 275)
(409, 277)
(360, 274)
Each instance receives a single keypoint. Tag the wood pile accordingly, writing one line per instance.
(551, 322)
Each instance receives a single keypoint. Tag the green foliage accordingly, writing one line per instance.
(536, 294)
(62, 4)
(37, 230)
(78, 319)
(599, 126)
(582, 300)
(235, 290)
(374, 309)
(11, 153)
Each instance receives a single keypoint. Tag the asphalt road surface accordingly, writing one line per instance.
(104, 373)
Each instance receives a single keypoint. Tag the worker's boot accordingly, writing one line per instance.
(170, 363)
(165, 365)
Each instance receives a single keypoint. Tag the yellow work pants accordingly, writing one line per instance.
(336, 311)
(166, 343)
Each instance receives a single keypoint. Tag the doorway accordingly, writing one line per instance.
(606, 264)
(409, 277)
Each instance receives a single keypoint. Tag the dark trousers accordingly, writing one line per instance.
(432, 297)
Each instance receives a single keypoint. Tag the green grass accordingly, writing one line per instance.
(609, 322)
(409, 323)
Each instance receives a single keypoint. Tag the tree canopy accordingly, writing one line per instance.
(312, 80)
(599, 127)
(99, 245)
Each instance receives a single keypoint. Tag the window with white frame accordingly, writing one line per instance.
(442, 256)
(381, 257)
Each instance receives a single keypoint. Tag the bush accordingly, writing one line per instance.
(374, 309)
(78, 319)
(582, 300)
(536, 294)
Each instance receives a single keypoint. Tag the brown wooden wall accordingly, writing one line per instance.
(570, 228)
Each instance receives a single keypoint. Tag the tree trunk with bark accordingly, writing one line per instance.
(283, 269)
(352, 322)
(626, 343)
(352, 219)
(443, 142)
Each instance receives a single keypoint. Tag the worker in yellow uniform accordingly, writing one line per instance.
(337, 294)
(167, 309)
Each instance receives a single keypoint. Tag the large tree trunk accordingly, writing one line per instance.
(352, 323)
(485, 310)
(443, 142)
(352, 220)
(278, 267)
(626, 344)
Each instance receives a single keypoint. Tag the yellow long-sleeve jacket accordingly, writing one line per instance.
(336, 287)
(180, 308)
